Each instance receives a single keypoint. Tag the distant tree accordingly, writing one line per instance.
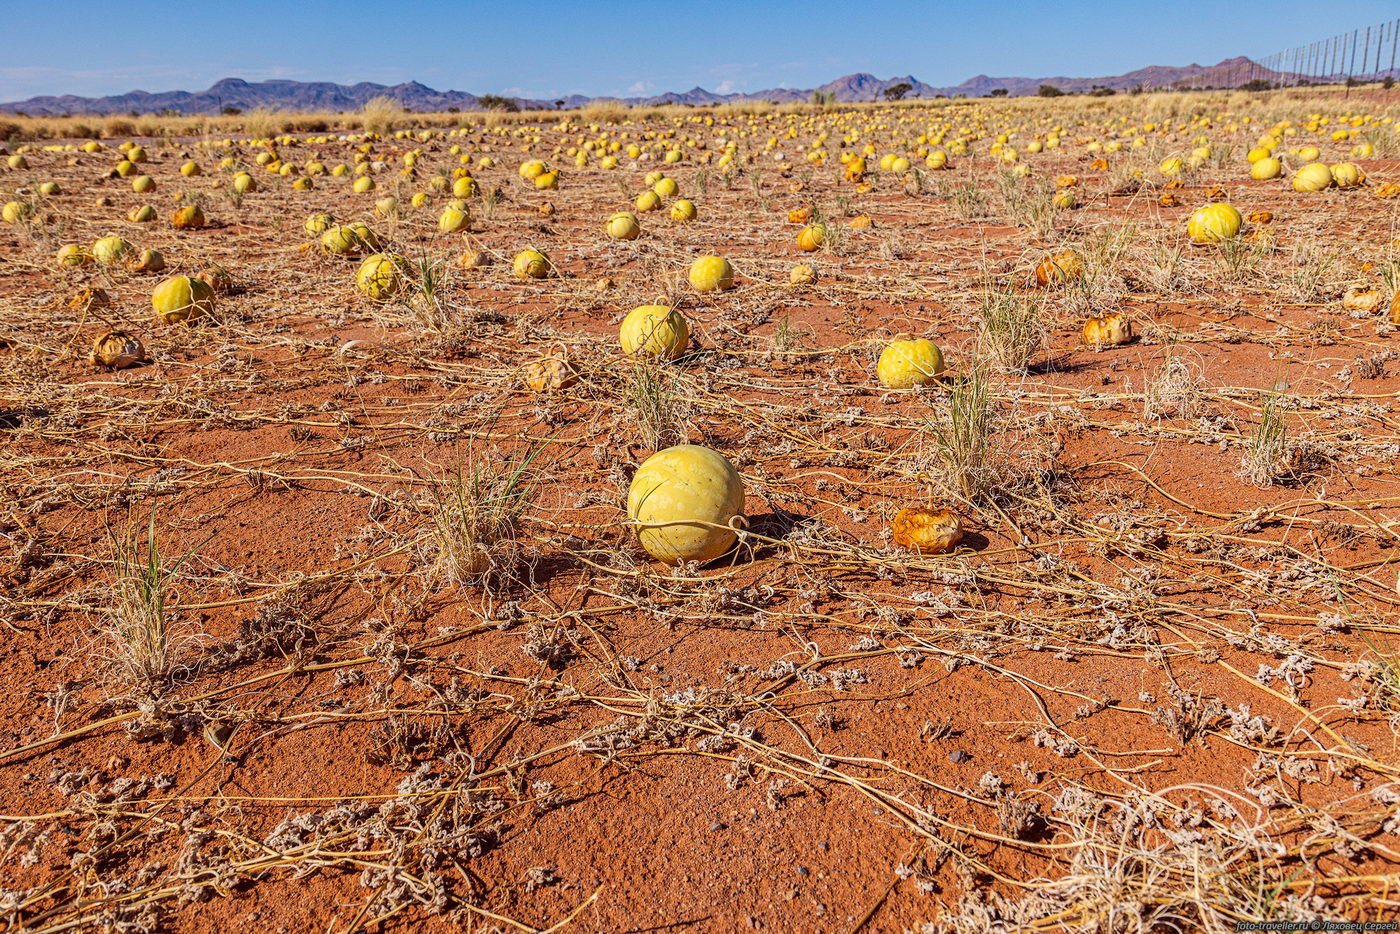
(559, 105)
(497, 102)
(1049, 90)
(998, 92)
(1100, 91)
(231, 111)
(1352, 82)
(897, 92)
(1389, 82)
(454, 110)
(823, 98)
(1257, 84)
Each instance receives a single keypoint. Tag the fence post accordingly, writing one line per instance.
(1349, 65)
(1395, 27)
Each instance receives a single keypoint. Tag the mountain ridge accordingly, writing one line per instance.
(321, 96)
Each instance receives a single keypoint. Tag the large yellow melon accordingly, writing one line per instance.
(623, 226)
(1214, 223)
(318, 224)
(655, 331)
(1266, 168)
(454, 219)
(73, 254)
(1315, 176)
(349, 240)
(810, 239)
(711, 274)
(181, 298)
(189, 217)
(1060, 266)
(381, 276)
(16, 212)
(1111, 330)
(1347, 175)
(108, 251)
(906, 363)
(684, 501)
(531, 264)
(927, 531)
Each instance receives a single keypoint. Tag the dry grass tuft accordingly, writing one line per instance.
(381, 115)
(144, 636)
(477, 514)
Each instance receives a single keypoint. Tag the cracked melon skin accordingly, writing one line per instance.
(691, 485)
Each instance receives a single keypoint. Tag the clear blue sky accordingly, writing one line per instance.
(630, 47)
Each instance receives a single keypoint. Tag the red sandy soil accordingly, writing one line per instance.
(821, 732)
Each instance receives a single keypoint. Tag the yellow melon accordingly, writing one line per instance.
(382, 276)
(623, 226)
(654, 331)
(909, 362)
(711, 274)
(108, 251)
(1214, 223)
(1315, 176)
(1109, 330)
(181, 298)
(686, 503)
(531, 264)
(810, 239)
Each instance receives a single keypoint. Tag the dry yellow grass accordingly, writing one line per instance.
(261, 123)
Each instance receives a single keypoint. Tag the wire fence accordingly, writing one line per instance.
(1362, 56)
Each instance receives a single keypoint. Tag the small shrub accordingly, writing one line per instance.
(139, 622)
(1266, 459)
(1175, 390)
(381, 114)
(655, 405)
(1011, 329)
(116, 127)
(477, 513)
(962, 439)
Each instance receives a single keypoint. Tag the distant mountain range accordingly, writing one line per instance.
(323, 96)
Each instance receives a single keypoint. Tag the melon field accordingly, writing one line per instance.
(953, 516)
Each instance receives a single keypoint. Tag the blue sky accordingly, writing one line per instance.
(627, 47)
